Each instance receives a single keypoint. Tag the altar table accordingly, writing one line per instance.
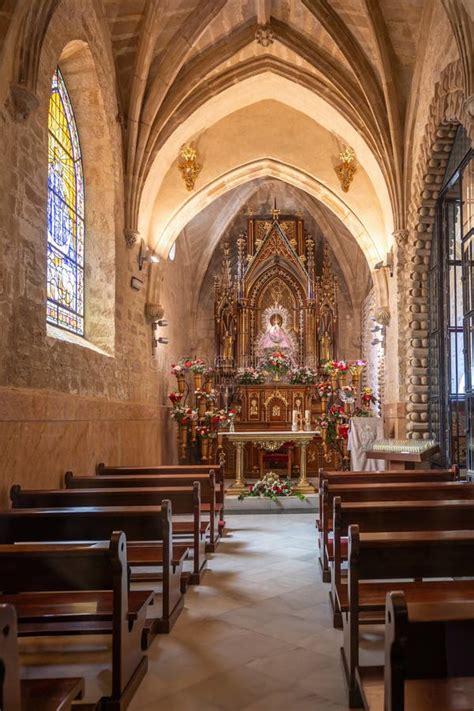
(270, 441)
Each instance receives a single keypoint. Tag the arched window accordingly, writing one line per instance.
(65, 307)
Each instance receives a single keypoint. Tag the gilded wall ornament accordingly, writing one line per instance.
(189, 166)
(346, 168)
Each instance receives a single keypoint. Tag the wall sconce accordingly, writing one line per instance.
(346, 168)
(146, 255)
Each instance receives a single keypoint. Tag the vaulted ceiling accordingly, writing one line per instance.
(174, 55)
(180, 66)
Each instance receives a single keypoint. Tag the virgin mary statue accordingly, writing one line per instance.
(275, 337)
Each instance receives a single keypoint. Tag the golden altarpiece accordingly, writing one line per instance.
(272, 295)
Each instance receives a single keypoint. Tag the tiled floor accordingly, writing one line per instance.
(257, 634)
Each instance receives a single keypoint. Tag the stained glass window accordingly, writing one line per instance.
(65, 307)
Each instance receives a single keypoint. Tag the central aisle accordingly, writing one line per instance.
(257, 634)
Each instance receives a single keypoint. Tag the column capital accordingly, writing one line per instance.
(401, 237)
(131, 236)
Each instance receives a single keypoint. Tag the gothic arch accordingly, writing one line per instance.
(447, 111)
(267, 167)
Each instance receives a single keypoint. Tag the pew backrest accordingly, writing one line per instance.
(209, 491)
(425, 642)
(140, 523)
(397, 516)
(191, 469)
(10, 696)
(27, 567)
(184, 500)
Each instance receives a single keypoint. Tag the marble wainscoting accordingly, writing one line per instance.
(44, 433)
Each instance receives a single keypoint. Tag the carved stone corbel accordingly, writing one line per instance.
(131, 237)
(401, 238)
(21, 102)
(154, 312)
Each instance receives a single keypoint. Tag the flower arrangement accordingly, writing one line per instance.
(333, 367)
(175, 397)
(271, 487)
(342, 430)
(367, 397)
(357, 367)
(183, 415)
(181, 366)
(347, 394)
(323, 422)
(276, 363)
(198, 366)
(303, 376)
(324, 389)
(221, 420)
(249, 376)
(337, 412)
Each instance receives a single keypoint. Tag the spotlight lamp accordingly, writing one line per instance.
(146, 255)
(156, 324)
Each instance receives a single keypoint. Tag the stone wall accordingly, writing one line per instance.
(65, 402)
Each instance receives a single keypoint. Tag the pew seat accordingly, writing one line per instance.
(152, 554)
(420, 694)
(372, 595)
(81, 607)
(143, 525)
(186, 528)
(428, 664)
(73, 589)
(55, 694)
(428, 567)
(29, 694)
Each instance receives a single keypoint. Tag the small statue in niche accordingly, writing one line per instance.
(275, 336)
(227, 337)
(253, 410)
(325, 340)
(228, 350)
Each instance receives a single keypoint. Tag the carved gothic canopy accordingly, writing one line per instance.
(275, 302)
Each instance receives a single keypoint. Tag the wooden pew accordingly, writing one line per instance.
(383, 477)
(185, 501)
(382, 562)
(392, 491)
(388, 516)
(375, 477)
(176, 469)
(145, 524)
(429, 664)
(169, 469)
(80, 589)
(209, 494)
(15, 695)
(390, 475)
